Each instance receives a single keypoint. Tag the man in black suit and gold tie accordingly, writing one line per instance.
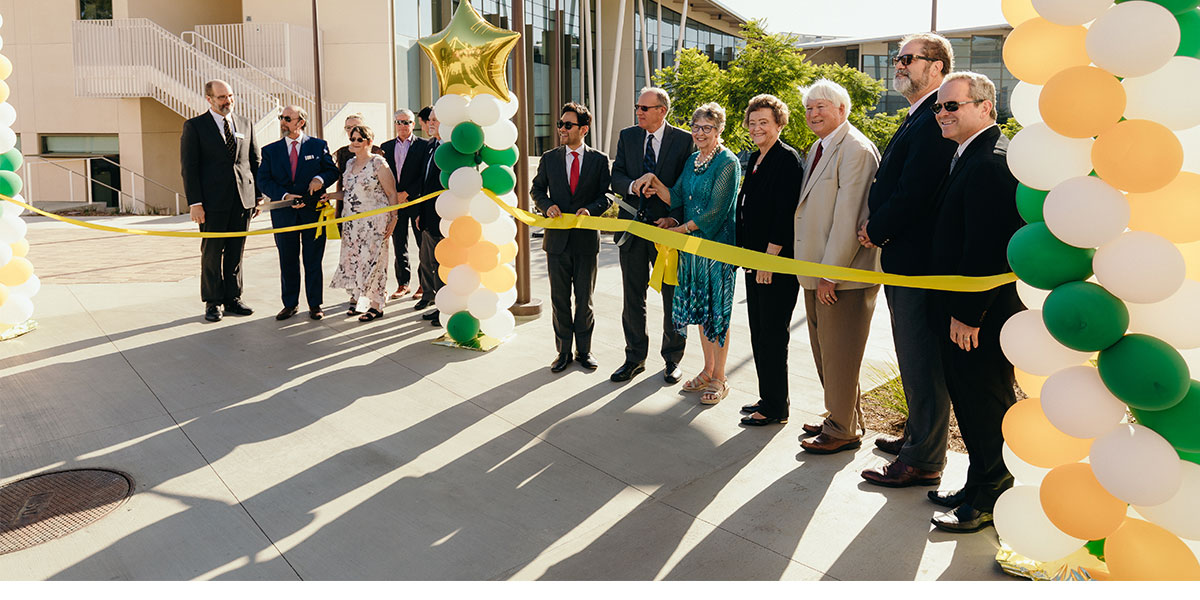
(572, 178)
(219, 160)
(651, 146)
(976, 218)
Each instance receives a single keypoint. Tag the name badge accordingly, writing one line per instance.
(239, 135)
(309, 157)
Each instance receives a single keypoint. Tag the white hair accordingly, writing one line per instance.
(824, 89)
(403, 111)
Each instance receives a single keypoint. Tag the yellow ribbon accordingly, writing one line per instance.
(325, 219)
(666, 268)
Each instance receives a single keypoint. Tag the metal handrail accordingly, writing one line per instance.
(135, 201)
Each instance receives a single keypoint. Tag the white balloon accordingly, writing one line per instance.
(450, 110)
(450, 206)
(1173, 320)
(12, 227)
(8, 139)
(15, 310)
(1023, 472)
(29, 289)
(1140, 266)
(1144, 95)
(444, 227)
(500, 135)
(449, 302)
(1133, 39)
(507, 298)
(1031, 297)
(484, 209)
(484, 109)
(463, 280)
(1136, 465)
(6, 253)
(1070, 12)
(508, 109)
(501, 231)
(1190, 139)
(1077, 402)
(509, 198)
(500, 325)
(482, 303)
(1024, 526)
(465, 182)
(1024, 103)
(1179, 515)
(1, 43)
(1030, 347)
(1086, 212)
(1042, 159)
(8, 114)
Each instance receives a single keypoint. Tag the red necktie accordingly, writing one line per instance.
(295, 156)
(817, 158)
(574, 171)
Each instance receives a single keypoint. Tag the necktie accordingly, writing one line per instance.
(817, 158)
(230, 141)
(953, 161)
(649, 161)
(295, 156)
(574, 170)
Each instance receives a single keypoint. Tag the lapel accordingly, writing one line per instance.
(984, 143)
(641, 149)
(662, 148)
(218, 136)
(827, 157)
(914, 115)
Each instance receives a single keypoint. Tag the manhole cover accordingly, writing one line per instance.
(45, 507)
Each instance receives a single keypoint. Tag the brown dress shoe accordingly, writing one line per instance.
(811, 429)
(897, 474)
(824, 444)
(890, 445)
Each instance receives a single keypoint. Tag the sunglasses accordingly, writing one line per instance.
(646, 107)
(358, 139)
(567, 125)
(952, 106)
(907, 59)
(288, 119)
(403, 122)
(696, 127)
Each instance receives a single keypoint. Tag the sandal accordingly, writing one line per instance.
(717, 391)
(698, 383)
(371, 315)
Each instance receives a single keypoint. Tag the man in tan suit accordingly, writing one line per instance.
(833, 201)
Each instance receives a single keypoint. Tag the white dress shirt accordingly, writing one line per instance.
(582, 150)
(963, 146)
(221, 120)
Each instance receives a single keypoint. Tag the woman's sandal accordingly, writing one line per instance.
(698, 383)
(371, 315)
(717, 391)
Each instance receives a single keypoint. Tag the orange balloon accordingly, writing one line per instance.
(1082, 102)
(1017, 11)
(1030, 384)
(449, 254)
(1037, 50)
(1172, 212)
(500, 279)
(1191, 257)
(1142, 551)
(1137, 156)
(16, 272)
(1036, 441)
(465, 231)
(508, 252)
(1078, 505)
(20, 247)
(444, 273)
(483, 256)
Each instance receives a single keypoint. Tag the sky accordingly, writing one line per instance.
(863, 18)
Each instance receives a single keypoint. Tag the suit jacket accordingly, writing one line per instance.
(413, 167)
(426, 178)
(552, 188)
(766, 204)
(627, 167)
(210, 177)
(275, 177)
(976, 218)
(833, 202)
(902, 195)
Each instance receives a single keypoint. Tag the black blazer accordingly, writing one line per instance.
(413, 167)
(672, 157)
(210, 177)
(551, 187)
(766, 204)
(902, 196)
(425, 178)
(976, 217)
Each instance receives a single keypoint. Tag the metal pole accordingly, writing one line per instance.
(318, 115)
(616, 62)
(641, 6)
(658, 36)
(933, 18)
(682, 32)
(526, 305)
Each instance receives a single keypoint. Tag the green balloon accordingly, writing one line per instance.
(1084, 316)
(1096, 548)
(1044, 262)
(1175, 6)
(462, 327)
(1179, 424)
(11, 160)
(499, 178)
(1144, 372)
(10, 183)
(448, 159)
(507, 156)
(445, 179)
(1029, 203)
(1193, 457)
(467, 137)
(1189, 34)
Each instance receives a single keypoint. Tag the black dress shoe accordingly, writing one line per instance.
(588, 361)
(947, 499)
(436, 319)
(287, 313)
(212, 312)
(627, 372)
(421, 304)
(751, 408)
(753, 422)
(238, 308)
(315, 313)
(672, 374)
(963, 519)
(431, 315)
(560, 363)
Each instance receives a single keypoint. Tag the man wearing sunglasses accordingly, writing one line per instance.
(404, 154)
(651, 146)
(299, 168)
(901, 203)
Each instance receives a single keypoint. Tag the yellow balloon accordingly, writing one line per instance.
(500, 279)
(1037, 50)
(20, 247)
(4, 91)
(1032, 437)
(5, 67)
(1030, 384)
(1142, 551)
(465, 231)
(1191, 257)
(16, 272)
(483, 256)
(1172, 212)
(1017, 11)
(1081, 102)
(3, 294)
(508, 252)
(1137, 156)
(1078, 505)
(449, 254)
(470, 54)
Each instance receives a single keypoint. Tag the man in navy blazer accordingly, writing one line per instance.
(297, 168)
(574, 179)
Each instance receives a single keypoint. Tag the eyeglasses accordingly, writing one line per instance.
(358, 139)
(646, 107)
(952, 106)
(567, 125)
(348, 128)
(403, 122)
(696, 127)
(289, 119)
(907, 59)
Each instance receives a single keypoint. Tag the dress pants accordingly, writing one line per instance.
(918, 350)
(838, 335)
(637, 258)
(405, 222)
(427, 270)
(297, 246)
(221, 258)
(572, 273)
(770, 309)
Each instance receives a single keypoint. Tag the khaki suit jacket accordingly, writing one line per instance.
(833, 203)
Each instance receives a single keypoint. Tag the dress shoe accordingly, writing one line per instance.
(588, 361)
(421, 304)
(400, 292)
(436, 321)
(890, 445)
(560, 363)
(947, 499)
(672, 374)
(627, 372)
(287, 313)
(238, 308)
(752, 421)
(212, 312)
(417, 294)
(824, 444)
(750, 408)
(897, 474)
(963, 519)
(315, 313)
(812, 429)
(431, 315)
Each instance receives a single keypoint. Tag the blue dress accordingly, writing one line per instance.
(704, 295)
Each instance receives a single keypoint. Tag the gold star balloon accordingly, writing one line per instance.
(470, 54)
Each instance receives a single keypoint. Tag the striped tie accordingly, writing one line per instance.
(230, 141)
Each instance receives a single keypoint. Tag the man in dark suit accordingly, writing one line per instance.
(901, 203)
(976, 218)
(572, 178)
(425, 178)
(297, 168)
(219, 162)
(652, 146)
(397, 152)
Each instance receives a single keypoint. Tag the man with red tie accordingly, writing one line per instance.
(572, 178)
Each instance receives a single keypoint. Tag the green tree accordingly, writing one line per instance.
(768, 64)
(697, 80)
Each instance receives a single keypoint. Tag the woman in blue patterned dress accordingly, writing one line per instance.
(705, 194)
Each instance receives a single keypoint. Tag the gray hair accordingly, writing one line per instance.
(979, 87)
(303, 114)
(935, 47)
(829, 91)
(713, 112)
(404, 111)
(208, 86)
(659, 94)
(356, 115)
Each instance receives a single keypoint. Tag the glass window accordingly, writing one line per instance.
(79, 144)
(95, 9)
